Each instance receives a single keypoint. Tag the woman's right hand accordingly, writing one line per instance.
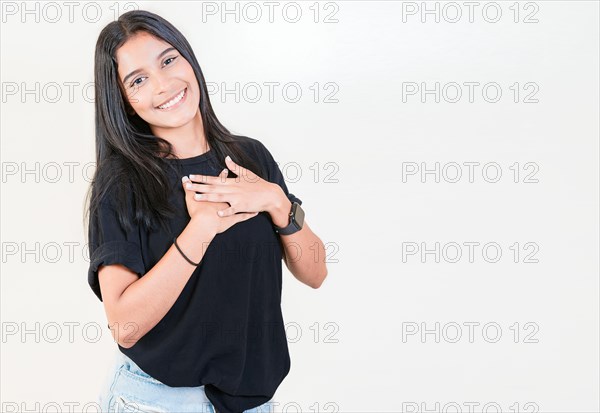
(207, 211)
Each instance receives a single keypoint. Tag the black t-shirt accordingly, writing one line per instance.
(226, 329)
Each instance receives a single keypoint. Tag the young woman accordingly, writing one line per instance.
(191, 285)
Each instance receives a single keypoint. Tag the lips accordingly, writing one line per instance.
(181, 93)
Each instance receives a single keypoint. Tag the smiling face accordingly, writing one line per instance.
(159, 83)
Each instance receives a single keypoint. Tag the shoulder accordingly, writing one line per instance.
(110, 198)
(259, 152)
(253, 146)
(116, 202)
(112, 182)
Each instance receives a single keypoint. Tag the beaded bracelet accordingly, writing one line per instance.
(184, 256)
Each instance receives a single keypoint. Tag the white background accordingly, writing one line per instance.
(362, 205)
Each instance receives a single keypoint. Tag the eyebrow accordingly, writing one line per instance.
(164, 52)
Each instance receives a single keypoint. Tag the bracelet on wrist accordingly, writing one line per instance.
(184, 256)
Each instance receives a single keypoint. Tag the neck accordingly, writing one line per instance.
(188, 140)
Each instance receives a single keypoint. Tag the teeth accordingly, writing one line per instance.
(173, 101)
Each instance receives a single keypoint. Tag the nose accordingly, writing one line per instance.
(161, 85)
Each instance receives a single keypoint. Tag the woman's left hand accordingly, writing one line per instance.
(246, 193)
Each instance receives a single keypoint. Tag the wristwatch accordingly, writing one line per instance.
(296, 221)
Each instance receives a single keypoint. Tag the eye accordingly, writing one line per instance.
(135, 82)
(170, 59)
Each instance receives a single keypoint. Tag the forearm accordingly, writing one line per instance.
(146, 301)
(304, 252)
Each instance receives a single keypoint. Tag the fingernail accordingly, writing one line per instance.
(198, 196)
(224, 170)
(227, 158)
(188, 185)
(185, 179)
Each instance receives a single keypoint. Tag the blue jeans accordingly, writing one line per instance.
(127, 388)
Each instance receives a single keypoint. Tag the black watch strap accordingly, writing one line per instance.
(294, 225)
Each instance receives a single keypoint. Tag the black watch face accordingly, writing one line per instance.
(299, 216)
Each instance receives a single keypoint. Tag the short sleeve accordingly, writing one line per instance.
(109, 243)
(275, 174)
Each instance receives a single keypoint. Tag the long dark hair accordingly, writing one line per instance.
(129, 158)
